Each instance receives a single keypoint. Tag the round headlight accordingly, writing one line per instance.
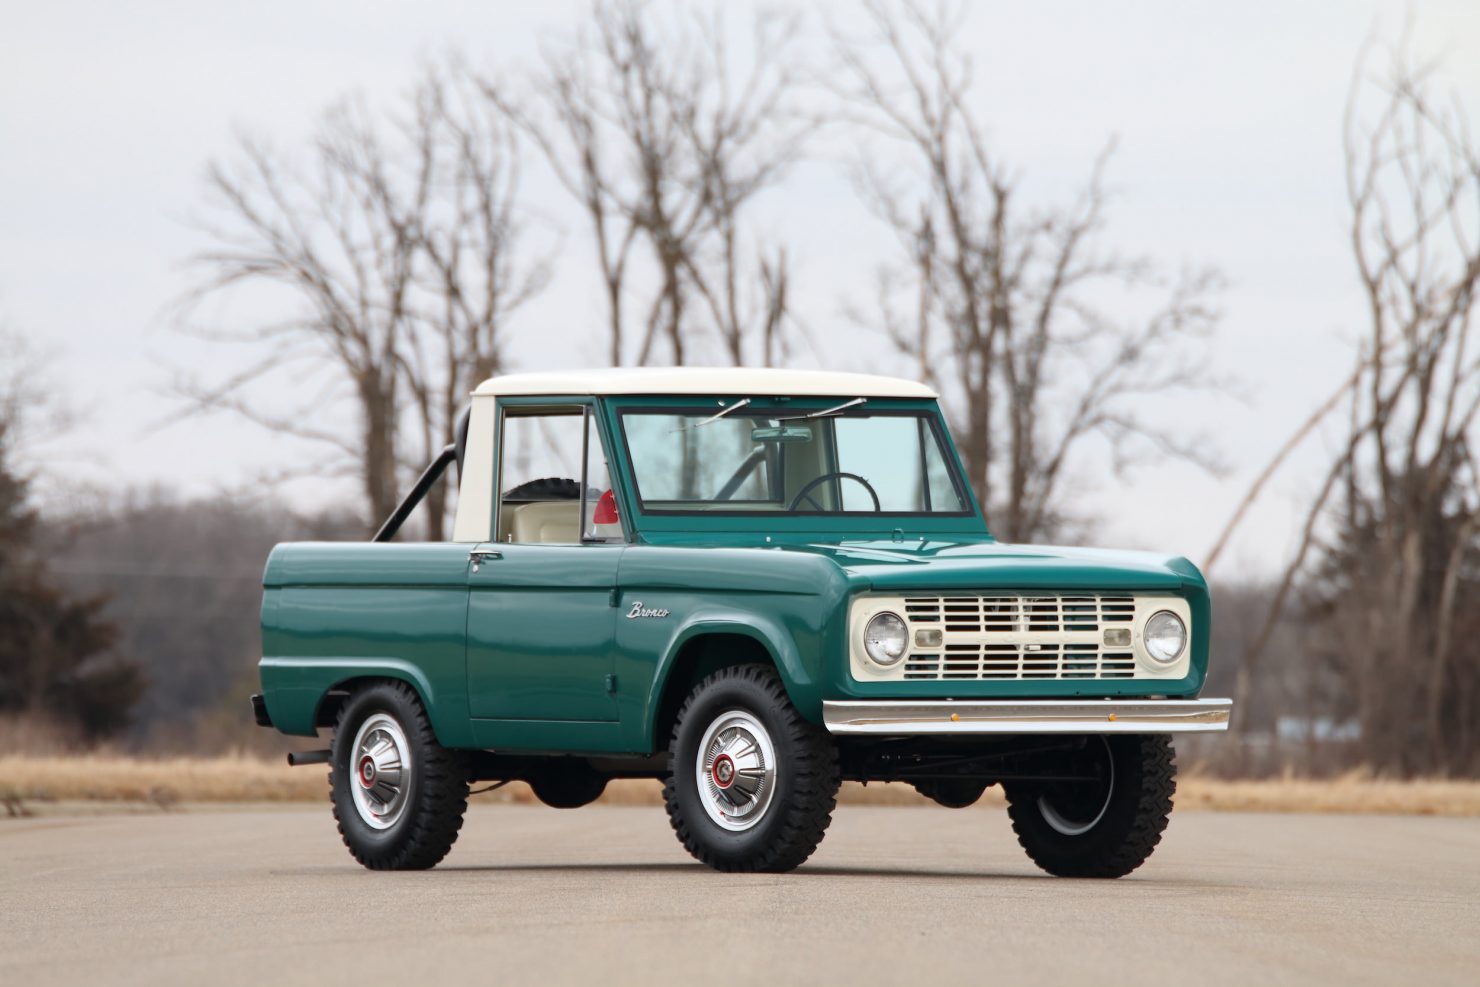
(1166, 636)
(885, 638)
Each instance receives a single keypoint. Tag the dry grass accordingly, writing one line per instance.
(100, 779)
(159, 781)
(1357, 791)
(167, 782)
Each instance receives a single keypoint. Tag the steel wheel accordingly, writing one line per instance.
(382, 771)
(398, 795)
(736, 770)
(1107, 821)
(1074, 810)
(752, 784)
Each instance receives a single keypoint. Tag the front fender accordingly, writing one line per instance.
(801, 677)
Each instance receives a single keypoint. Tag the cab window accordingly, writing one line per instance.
(554, 484)
(750, 460)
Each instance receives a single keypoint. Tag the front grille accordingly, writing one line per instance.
(1016, 614)
(1021, 636)
(1007, 661)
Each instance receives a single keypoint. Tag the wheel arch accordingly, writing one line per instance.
(303, 697)
(704, 647)
(326, 713)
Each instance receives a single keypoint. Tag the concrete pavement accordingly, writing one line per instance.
(605, 895)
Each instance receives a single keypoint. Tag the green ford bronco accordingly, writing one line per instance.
(752, 585)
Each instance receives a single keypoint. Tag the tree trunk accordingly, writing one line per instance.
(378, 402)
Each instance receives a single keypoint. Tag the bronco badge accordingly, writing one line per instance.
(638, 610)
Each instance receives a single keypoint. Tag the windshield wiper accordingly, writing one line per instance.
(717, 416)
(823, 413)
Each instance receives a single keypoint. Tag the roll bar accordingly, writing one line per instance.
(430, 475)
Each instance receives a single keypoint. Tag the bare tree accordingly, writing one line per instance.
(1394, 594)
(666, 143)
(1005, 311)
(397, 246)
(473, 275)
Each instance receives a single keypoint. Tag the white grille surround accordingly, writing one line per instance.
(1019, 636)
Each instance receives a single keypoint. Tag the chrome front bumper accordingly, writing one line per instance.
(897, 717)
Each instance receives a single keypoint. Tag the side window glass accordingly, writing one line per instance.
(539, 476)
(544, 457)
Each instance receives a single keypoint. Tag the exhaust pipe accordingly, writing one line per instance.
(297, 758)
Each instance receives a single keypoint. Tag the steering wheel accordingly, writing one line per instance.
(837, 475)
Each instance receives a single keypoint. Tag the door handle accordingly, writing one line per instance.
(478, 556)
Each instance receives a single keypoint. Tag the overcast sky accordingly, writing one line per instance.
(1228, 119)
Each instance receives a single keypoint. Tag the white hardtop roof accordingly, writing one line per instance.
(734, 381)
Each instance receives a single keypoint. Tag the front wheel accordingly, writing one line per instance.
(399, 797)
(1108, 814)
(751, 784)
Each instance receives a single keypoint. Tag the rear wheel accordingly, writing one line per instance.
(399, 797)
(1105, 823)
(751, 783)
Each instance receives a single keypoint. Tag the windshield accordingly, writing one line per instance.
(747, 460)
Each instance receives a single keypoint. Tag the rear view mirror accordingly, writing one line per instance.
(781, 433)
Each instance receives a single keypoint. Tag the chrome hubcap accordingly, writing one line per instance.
(736, 772)
(1077, 815)
(382, 767)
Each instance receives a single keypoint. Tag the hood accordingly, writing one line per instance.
(919, 565)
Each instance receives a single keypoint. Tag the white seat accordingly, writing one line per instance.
(554, 522)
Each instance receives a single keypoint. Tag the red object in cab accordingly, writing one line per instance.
(606, 509)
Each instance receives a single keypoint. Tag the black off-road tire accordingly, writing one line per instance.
(436, 798)
(1128, 830)
(806, 779)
